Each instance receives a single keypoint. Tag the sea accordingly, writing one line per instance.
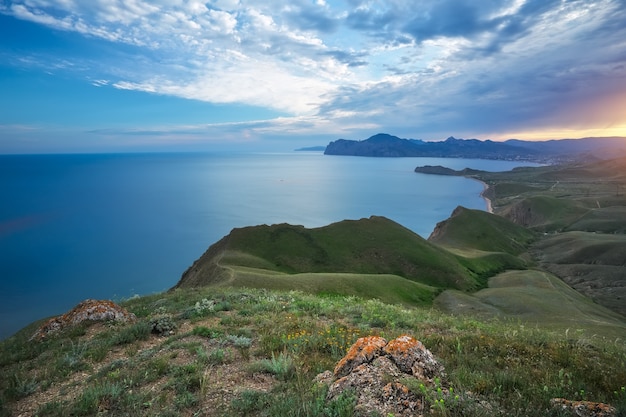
(113, 226)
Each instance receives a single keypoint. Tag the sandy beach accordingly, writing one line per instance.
(482, 194)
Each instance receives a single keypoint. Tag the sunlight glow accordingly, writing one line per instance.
(618, 130)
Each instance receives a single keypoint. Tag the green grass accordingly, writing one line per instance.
(610, 219)
(537, 298)
(478, 230)
(583, 248)
(368, 246)
(388, 288)
(290, 337)
(545, 213)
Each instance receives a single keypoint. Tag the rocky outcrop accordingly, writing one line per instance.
(384, 376)
(585, 408)
(86, 311)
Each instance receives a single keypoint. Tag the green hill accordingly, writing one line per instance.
(536, 297)
(544, 213)
(476, 229)
(362, 247)
(592, 263)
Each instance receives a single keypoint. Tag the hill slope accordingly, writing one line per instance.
(534, 297)
(581, 210)
(368, 246)
(476, 229)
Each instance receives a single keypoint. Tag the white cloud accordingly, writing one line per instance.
(424, 65)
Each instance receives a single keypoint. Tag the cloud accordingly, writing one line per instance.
(426, 67)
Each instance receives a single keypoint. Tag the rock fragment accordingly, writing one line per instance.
(87, 310)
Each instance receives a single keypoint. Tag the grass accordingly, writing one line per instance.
(482, 231)
(583, 248)
(363, 247)
(291, 337)
(537, 298)
(390, 288)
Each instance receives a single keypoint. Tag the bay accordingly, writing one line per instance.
(115, 225)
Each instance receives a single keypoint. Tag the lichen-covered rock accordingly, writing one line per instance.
(364, 350)
(88, 310)
(377, 372)
(413, 358)
(370, 382)
(585, 408)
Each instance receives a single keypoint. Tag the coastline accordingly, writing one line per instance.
(482, 194)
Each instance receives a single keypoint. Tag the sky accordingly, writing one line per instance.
(116, 75)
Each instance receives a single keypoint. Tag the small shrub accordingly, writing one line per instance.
(342, 406)
(223, 306)
(138, 331)
(94, 397)
(97, 352)
(240, 342)
(51, 409)
(200, 309)
(217, 357)
(185, 399)
(160, 366)
(20, 387)
(163, 325)
(207, 332)
(73, 360)
(283, 366)
(248, 401)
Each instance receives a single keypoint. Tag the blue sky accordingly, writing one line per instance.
(113, 75)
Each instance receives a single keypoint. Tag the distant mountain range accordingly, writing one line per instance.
(385, 145)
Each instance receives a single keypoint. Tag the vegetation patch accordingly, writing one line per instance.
(268, 366)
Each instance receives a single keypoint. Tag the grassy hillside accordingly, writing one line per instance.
(536, 298)
(544, 213)
(476, 229)
(611, 219)
(387, 288)
(592, 263)
(243, 352)
(368, 246)
(552, 198)
(581, 208)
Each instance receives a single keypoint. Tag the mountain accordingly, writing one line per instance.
(598, 147)
(385, 145)
(381, 144)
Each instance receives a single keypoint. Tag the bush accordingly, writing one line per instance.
(283, 366)
(207, 332)
(138, 331)
(163, 325)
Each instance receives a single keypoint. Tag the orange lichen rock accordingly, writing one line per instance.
(377, 371)
(88, 310)
(411, 357)
(585, 408)
(364, 350)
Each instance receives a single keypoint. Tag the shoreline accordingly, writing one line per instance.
(482, 194)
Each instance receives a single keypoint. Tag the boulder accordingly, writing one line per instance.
(86, 311)
(378, 373)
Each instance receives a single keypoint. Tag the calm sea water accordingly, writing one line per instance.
(111, 226)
